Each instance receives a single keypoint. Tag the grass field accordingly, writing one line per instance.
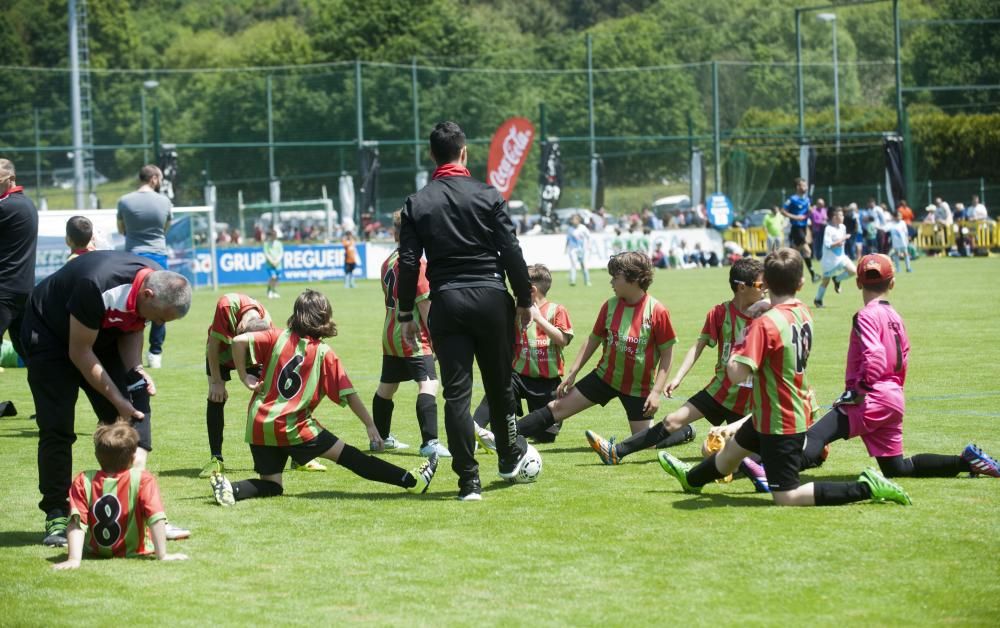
(587, 544)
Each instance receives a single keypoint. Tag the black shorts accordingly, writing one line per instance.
(712, 410)
(781, 455)
(600, 392)
(268, 460)
(797, 235)
(227, 373)
(537, 391)
(349, 267)
(419, 368)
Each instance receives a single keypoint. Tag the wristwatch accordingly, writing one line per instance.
(404, 317)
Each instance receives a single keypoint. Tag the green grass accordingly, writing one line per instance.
(585, 545)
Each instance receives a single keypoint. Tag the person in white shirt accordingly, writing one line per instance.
(835, 264)
(900, 240)
(942, 212)
(977, 211)
(577, 243)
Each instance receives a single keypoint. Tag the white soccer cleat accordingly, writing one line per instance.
(154, 360)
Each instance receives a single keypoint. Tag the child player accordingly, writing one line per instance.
(235, 314)
(899, 239)
(274, 254)
(538, 353)
(722, 400)
(775, 352)
(872, 405)
(836, 265)
(299, 370)
(402, 362)
(79, 236)
(638, 340)
(116, 511)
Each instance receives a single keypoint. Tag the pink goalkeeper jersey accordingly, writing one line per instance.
(878, 353)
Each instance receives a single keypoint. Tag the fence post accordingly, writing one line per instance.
(829, 196)
(361, 134)
(38, 161)
(982, 190)
(716, 132)
(590, 115)
(270, 131)
(878, 192)
(930, 191)
(416, 115)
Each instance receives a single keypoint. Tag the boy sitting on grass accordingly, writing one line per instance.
(775, 352)
(638, 340)
(298, 371)
(116, 511)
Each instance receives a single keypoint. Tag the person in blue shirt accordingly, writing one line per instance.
(796, 209)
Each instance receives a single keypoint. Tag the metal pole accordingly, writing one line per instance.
(38, 161)
(590, 116)
(836, 88)
(145, 139)
(416, 115)
(156, 133)
(899, 69)
(270, 132)
(716, 131)
(798, 74)
(74, 94)
(361, 132)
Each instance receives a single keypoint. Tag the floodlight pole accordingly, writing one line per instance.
(716, 131)
(74, 94)
(798, 74)
(832, 19)
(590, 116)
(899, 69)
(416, 115)
(361, 132)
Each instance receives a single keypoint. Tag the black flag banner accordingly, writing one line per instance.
(895, 184)
(550, 180)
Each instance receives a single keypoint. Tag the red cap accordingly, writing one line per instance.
(875, 268)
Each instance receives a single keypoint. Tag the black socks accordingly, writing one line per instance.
(248, 489)
(375, 469)
(643, 440)
(839, 493)
(215, 419)
(382, 414)
(536, 422)
(427, 417)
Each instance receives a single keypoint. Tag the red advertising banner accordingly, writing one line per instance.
(508, 151)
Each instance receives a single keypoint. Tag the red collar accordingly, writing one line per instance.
(451, 170)
(80, 251)
(17, 188)
(133, 294)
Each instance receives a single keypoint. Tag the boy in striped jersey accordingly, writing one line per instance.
(638, 340)
(722, 400)
(775, 352)
(403, 362)
(235, 314)
(872, 405)
(298, 370)
(116, 511)
(538, 354)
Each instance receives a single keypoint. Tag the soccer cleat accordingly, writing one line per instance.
(434, 446)
(883, 489)
(836, 286)
(471, 491)
(390, 443)
(313, 465)
(213, 465)
(424, 474)
(222, 489)
(154, 360)
(55, 532)
(175, 533)
(815, 277)
(605, 448)
(755, 472)
(678, 469)
(980, 463)
(510, 472)
(486, 439)
(817, 303)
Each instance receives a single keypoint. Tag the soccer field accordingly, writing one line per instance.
(585, 545)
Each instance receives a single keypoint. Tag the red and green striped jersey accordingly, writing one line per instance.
(777, 348)
(724, 324)
(297, 373)
(535, 355)
(392, 337)
(116, 511)
(229, 309)
(632, 336)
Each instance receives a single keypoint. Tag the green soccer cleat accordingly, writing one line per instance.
(222, 489)
(55, 532)
(675, 467)
(313, 466)
(882, 489)
(424, 474)
(213, 465)
(485, 439)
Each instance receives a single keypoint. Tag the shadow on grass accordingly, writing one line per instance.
(564, 450)
(179, 473)
(18, 538)
(709, 500)
(20, 434)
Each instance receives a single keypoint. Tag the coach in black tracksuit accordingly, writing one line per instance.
(463, 227)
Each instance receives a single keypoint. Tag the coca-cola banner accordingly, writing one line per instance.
(508, 152)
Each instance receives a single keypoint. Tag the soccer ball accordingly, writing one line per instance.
(531, 468)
